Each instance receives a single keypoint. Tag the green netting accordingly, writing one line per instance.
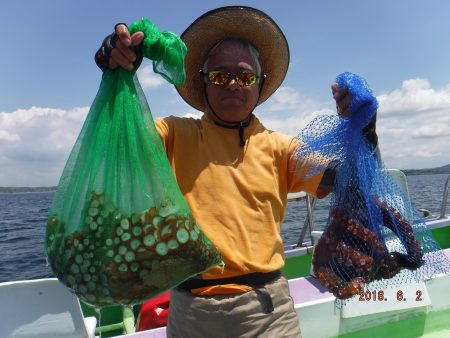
(119, 230)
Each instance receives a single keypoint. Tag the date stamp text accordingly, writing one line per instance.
(379, 296)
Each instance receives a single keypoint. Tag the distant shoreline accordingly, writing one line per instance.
(430, 171)
(25, 190)
(408, 172)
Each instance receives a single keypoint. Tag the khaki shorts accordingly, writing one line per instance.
(232, 316)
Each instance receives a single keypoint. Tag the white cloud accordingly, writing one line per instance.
(35, 143)
(5, 136)
(148, 79)
(413, 128)
(415, 95)
(194, 114)
(284, 98)
(288, 111)
(413, 121)
(413, 125)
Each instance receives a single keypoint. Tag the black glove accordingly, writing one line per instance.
(103, 54)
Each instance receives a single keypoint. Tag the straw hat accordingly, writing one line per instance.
(240, 22)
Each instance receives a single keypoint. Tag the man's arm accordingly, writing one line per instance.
(326, 184)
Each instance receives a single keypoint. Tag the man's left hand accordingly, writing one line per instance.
(342, 97)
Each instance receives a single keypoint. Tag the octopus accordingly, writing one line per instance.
(352, 253)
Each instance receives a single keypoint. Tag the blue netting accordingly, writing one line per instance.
(373, 232)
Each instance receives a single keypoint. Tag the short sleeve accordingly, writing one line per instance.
(305, 174)
(162, 126)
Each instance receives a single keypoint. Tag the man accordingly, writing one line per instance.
(234, 173)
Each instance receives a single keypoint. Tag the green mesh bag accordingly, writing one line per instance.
(119, 229)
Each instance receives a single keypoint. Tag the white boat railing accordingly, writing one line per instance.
(309, 221)
(309, 225)
(443, 213)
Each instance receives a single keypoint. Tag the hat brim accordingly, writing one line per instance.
(228, 22)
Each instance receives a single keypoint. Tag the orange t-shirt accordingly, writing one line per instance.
(237, 195)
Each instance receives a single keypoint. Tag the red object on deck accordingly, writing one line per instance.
(154, 312)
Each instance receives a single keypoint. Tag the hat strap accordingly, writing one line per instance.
(240, 125)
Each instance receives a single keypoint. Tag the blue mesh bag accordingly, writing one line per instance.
(374, 238)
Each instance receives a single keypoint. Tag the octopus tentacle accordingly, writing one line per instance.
(338, 265)
(337, 286)
(393, 220)
(349, 254)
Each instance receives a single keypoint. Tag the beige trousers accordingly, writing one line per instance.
(233, 316)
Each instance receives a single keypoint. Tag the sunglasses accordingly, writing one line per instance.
(243, 79)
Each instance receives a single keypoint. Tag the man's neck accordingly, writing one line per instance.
(229, 124)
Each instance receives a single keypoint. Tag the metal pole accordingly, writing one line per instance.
(444, 199)
(309, 221)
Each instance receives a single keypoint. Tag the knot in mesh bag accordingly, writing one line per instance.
(166, 50)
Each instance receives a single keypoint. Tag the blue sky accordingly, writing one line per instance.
(48, 77)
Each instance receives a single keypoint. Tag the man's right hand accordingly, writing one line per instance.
(122, 55)
(117, 50)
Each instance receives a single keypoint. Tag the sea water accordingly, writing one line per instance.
(23, 219)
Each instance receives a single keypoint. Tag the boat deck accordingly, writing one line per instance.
(319, 316)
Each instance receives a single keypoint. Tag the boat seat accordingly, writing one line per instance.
(400, 177)
(42, 308)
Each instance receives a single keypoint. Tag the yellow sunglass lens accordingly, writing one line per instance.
(243, 79)
(218, 77)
